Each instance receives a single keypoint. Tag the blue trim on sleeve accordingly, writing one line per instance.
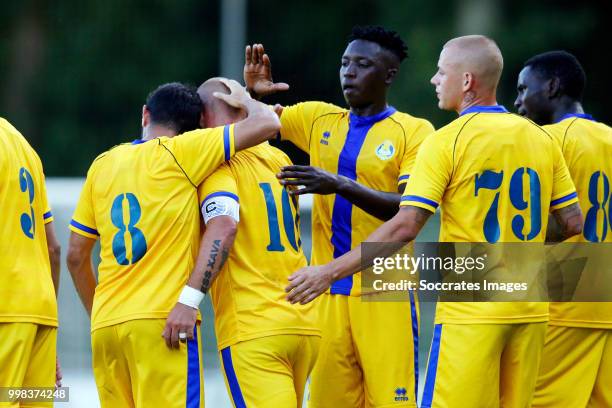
(138, 141)
(420, 200)
(415, 341)
(226, 142)
(432, 368)
(84, 227)
(576, 115)
(193, 371)
(484, 109)
(221, 194)
(404, 177)
(563, 199)
(47, 215)
(341, 222)
(230, 374)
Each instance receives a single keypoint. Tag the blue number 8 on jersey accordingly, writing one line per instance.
(139, 243)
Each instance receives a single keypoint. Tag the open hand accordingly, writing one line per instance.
(238, 96)
(182, 319)
(308, 283)
(314, 180)
(258, 72)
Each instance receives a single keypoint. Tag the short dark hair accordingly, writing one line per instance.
(175, 105)
(563, 65)
(387, 39)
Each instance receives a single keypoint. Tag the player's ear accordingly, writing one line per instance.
(145, 116)
(554, 88)
(468, 81)
(391, 72)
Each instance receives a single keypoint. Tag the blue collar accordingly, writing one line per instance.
(576, 115)
(485, 109)
(370, 120)
(139, 141)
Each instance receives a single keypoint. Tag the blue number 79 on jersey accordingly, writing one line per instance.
(491, 180)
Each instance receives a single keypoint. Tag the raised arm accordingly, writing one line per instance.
(261, 123)
(258, 73)
(383, 205)
(309, 282)
(81, 268)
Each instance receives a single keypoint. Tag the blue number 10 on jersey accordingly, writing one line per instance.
(139, 243)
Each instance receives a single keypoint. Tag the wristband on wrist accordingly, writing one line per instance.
(191, 297)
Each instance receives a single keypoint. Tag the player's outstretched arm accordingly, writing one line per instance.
(54, 249)
(81, 268)
(214, 250)
(309, 282)
(258, 73)
(564, 223)
(261, 123)
(383, 205)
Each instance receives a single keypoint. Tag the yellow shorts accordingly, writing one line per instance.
(269, 372)
(576, 368)
(368, 355)
(133, 367)
(27, 358)
(483, 365)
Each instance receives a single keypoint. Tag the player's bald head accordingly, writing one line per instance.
(216, 112)
(209, 87)
(478, 55)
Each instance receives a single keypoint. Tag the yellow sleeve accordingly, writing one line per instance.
(83, 220)
(563, 191)
(221, 183)
(47, 215)
(413, 143)
(199, 152)
(430, 176)
(297, 121)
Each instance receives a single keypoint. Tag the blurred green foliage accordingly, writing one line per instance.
(75, 74)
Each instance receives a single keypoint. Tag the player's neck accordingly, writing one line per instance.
(369, 110)
(152, 131)
(468, 102)
(565, 108)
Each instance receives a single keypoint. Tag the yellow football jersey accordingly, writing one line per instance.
(26, 286)
(495, 176)
(140, 199)
(587, 148)
(376, 151)
(249, 296)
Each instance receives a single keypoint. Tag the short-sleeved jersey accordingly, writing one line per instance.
(140, 199)
(26, 287)
(495, 176)
(248, 295)
(587, 148)
(376, 151)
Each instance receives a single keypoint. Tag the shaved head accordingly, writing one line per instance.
(217, 112)
(479, 55)
(469, 70)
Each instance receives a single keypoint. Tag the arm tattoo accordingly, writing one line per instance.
(214, 252)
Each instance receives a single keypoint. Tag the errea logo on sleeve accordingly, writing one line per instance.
(324, 138)
(385, 150)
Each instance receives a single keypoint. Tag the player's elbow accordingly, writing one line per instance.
(75, 258)
(268, 123)
(222, 227)
(574, 227)
(55, 252)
